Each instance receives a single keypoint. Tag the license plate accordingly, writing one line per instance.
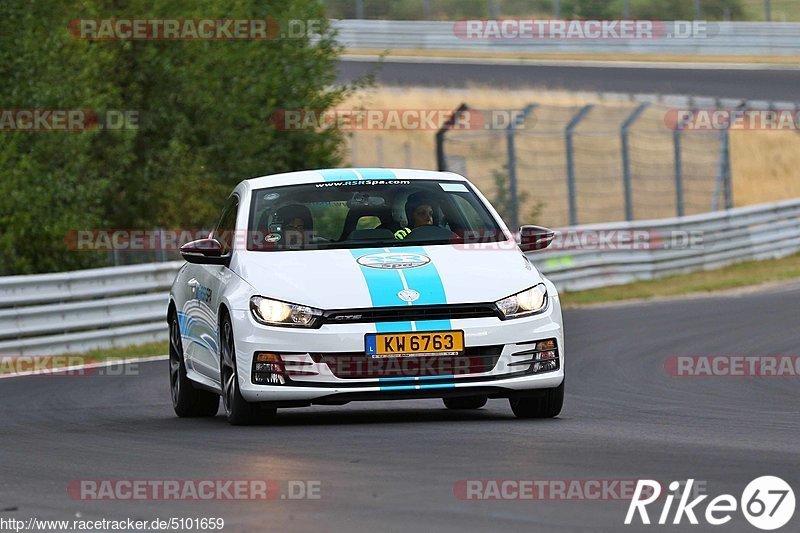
(380, 345)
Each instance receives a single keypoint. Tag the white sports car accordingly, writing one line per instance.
(328, 286)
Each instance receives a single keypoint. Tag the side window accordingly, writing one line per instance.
(225, 230)
(368, 222)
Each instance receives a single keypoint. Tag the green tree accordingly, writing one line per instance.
(529, 212)
(204, 119)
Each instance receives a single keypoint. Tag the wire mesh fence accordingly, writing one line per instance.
(565, 165)
(753, 10)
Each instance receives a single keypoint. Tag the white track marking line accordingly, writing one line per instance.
(103, 364)
(590, 63)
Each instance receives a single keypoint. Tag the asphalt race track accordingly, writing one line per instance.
(392, 466)
(756, 84)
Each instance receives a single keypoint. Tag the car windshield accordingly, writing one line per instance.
(358, 214)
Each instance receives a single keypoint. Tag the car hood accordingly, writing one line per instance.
(374, 277)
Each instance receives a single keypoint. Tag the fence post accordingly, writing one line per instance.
(426, 10)
(353, 150)
(512, 163)
(379, 151)
(573, 207)
(494, 12)
(161, 252)
(676, 145)
(727, 182)
(722, 184)
(441, 160)
(626, 159)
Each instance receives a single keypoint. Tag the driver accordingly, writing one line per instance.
(419, 212)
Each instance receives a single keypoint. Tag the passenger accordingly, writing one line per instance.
(298, 225)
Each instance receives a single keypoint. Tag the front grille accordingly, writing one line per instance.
(476, 359)
(410, 312)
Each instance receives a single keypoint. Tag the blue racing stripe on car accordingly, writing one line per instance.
(421, 386)
(185, 326)
(338, 174)
(383, 286)
(428, 283)
(439, 386)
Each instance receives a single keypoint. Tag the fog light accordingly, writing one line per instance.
(545, 357)
(268, 358)
(546, 366)
(549, 344)
(268, 369)
(549, 354)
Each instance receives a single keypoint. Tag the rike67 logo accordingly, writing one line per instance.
(767, 503)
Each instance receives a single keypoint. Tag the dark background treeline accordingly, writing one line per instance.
(203, 110)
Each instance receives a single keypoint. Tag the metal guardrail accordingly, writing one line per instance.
(758, 232)
(725, 38)
(73, 312)
(78, 311)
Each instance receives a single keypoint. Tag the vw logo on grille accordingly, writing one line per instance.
(393, 260)
(408, 295)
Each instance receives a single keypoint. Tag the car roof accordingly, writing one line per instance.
(348, 174)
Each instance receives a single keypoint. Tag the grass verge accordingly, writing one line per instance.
(15, 365)
(744, 274)
(128, 352)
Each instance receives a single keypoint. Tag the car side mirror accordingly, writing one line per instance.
(204, 252)
(533, 238)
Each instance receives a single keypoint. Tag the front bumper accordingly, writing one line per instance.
(316, 382)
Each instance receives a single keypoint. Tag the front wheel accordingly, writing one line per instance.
(546, 405)
(186, 400)
(238, 410)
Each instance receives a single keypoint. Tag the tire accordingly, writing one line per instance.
(239, 411)
(186, 399)
(465, 402)
(547, 405)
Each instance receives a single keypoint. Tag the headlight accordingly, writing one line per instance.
(527, 302)
(277, 313)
